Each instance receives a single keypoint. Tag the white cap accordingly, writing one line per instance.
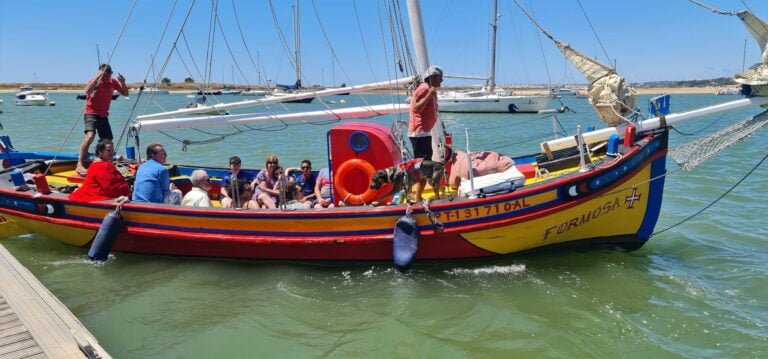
(432, 70)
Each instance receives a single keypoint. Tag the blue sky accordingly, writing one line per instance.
(55, 41)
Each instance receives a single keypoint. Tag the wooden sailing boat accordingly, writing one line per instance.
(601, 188)
(491, 98)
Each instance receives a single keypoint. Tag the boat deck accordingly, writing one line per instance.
(34, 323)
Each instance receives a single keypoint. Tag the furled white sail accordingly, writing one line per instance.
(256, 118)
(609, 93)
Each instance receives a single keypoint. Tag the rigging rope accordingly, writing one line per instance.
(695, 152)
(161, 71)
(245, 43)
(362, 39)
(333, 52)
(716, 199)
(280, 34)
(594, 32)
(699, 130)
(231, 54)
(109, 58)
(716, 11)
(541, 47)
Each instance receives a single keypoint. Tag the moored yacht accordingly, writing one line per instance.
(490, 98)
(496, 100)
(27, 96)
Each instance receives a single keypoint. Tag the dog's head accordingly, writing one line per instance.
(380, 178)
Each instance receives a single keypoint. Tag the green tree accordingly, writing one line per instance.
(189, 80)
(166, 81)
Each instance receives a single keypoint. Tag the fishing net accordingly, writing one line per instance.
(691, 154)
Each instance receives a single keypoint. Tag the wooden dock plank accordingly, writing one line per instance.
(27, 353)
(19, 328)
(54, 331)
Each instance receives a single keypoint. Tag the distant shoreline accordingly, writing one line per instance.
(10, 88)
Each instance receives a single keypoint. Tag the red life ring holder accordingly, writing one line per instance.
(344, 170)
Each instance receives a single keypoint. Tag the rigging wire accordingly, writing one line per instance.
(402, 36)
(109, 58)
(732, 13)
(231, 54)
(208, 80)
(280, 34)
(712, 9)
(245, 43)
(362, 39)
(595, 33)
(699, 130)
(333, 51)
(716, 199)
(541, 47)
(161, 71)
(155, 78)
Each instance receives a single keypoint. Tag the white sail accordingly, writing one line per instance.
(758, 28)
(249, 103)
(609, 93)
(757, 75)
(250, 119)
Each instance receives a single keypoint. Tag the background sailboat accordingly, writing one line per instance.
(285, 90)
(490, 98)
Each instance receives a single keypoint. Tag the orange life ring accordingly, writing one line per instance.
(345, 169)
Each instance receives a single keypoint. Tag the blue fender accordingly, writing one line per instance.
(405, 243)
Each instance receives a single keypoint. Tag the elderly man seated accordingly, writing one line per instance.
(198, 195)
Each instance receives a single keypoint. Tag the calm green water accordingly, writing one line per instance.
(698, 290)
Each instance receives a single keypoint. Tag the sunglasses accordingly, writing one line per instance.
(271, 162)
(305, 167)
(235, 164)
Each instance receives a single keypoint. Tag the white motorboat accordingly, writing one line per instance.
(490, 98)
(201, 101)
(256, 93)
(721, 91)
(27, 96)
(1, 104)
(229, 91)
(155, 90)
(563, 91)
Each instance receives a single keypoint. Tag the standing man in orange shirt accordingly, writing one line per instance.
(98, 98)
(424, 118)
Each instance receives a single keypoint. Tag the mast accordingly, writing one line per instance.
(297, 45)
(417, 35)
(744, 56)
(494, 26)
(422, 61)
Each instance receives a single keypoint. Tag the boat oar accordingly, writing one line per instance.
(105, 238)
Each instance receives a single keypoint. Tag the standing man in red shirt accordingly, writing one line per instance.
(424, 118)
(98, 98)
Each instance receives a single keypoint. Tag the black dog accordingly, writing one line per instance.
(415, 170)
